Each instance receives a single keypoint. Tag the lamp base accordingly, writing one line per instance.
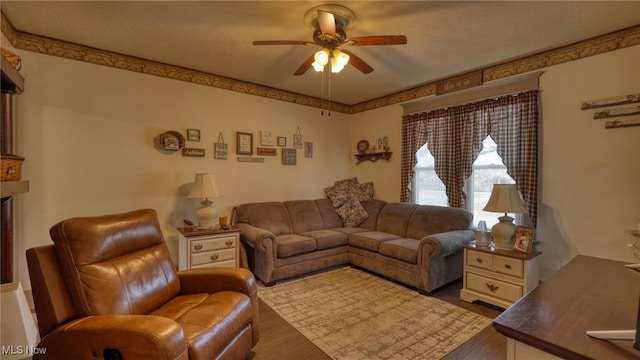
(207, 215)
(503, 233)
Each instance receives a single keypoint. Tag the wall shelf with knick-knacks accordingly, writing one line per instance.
(373, 156)
(373, 153)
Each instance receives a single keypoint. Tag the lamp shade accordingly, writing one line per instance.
(505, 198)
(204, 187)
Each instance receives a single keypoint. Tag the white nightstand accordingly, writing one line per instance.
(498, 277)
(208, 248)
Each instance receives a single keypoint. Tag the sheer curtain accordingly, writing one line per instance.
(454, 136)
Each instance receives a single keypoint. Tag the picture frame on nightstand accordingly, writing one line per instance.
(523, 239)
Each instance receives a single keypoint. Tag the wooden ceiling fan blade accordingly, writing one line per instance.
(357, 62)
(282, 42)
(305, 66)
(376, 40)
(326, 22)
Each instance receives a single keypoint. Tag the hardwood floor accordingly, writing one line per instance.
(279, 340)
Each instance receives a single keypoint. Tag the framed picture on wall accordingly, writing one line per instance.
(244, 143)
(193, 134)
(282, 141)
(289, 156)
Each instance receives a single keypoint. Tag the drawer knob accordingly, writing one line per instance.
(479, 260)
(229, 242)
(215, 257)
(197, 247)
(492, 287)
(507, 266)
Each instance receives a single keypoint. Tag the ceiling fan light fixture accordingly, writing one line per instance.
(322, 57)
(341, 58)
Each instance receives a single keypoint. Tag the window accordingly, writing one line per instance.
(488, 169)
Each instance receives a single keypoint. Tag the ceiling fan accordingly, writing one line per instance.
(329, 23)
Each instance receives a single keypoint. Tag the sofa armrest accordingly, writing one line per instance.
(211, 280)
(254, 236)
(446, 243)
(132, 336)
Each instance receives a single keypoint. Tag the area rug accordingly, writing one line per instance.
(351, 314)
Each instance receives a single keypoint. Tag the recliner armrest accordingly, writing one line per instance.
(107, 336)
(446, 243)
(211, 280)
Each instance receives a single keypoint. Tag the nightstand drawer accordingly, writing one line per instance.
(494, 288)
(213, 256)
(225, 242)
(508, 266)
(479, 260)
(219, 264)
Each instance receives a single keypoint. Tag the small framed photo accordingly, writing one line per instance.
(524, 239)
(266, 138)
(289, 156)
(193, 134)
(308, 149)
(282, 141)
(193, 152)
(244, 143)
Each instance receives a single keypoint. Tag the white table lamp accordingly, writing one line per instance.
(19, 333)
(204, 187)
(505, 198)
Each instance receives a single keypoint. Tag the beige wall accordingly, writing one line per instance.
(87, 134)
(589, 175)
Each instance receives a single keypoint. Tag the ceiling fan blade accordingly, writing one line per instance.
(305, 66)
(376, 40)
(357, 62)
(282, 42)
(327, 22)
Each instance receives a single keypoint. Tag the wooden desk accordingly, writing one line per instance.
(587, 294)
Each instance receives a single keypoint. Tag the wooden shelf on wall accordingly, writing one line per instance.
(12, 81)
(13, 188)
(373, 156)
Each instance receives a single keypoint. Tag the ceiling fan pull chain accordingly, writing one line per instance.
(322, 93)
(329, 94)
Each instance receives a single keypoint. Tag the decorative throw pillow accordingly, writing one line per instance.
(352, 213)
(339, 193)
(364, 192)
(346, 196)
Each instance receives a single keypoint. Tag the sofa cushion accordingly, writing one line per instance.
(427, 220)
(370, 240)
(294, 244)
(304, 215)
(271, 216)
(233, 311)
(326, 239)
(394, 218)
(373, 208)
(330, 219)
(402, 249)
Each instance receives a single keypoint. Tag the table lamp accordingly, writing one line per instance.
(505, 198)
(204, 187)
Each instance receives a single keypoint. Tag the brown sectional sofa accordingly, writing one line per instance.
(418, 245)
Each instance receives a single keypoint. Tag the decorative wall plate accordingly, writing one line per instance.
(363, 146)
(171, 140)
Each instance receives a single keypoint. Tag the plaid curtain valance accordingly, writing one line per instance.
(454, 136)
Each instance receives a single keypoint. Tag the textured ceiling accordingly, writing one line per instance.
(445, 38)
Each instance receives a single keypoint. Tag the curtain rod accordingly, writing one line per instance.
(489, 90)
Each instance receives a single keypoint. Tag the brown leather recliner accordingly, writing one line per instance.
(107, 289)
